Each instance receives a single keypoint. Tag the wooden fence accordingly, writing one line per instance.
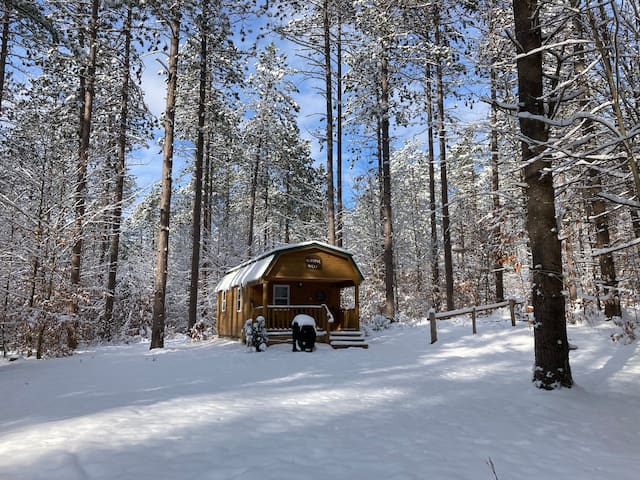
(433, 315)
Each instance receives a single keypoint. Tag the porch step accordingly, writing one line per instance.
(347, 338)
(283, 335)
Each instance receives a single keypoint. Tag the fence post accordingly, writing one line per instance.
(512, 311)
(473, 320)
(434, 328)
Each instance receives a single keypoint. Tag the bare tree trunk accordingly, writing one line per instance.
(598, 213)
(159, 295)
(197, 180)
(120, 171)
(498, 267)
(389, 306)
(435, 264)
(339, 205)
(596, 205)
(446, 223)
(253, 198)
(4, 48)
(289, 215)
(552, 368)
(206, 223)
(331, 234)
(88, 85)
(266, 218)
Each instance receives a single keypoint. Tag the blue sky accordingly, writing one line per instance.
(147, 163)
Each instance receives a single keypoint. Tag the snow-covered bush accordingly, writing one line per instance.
(200, 332)
(45, 334)
(377, 323)
(256, 334)
(627, 333)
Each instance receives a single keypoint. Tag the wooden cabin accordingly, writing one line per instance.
(309, 278)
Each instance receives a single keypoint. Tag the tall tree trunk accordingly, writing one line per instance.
(160, 284)
(197, 180)
(598, 213)
(289, 215)
(4, 48)
(435, 264)
(253, 194)
(595, 204)
(389, 306)
(552, 368)
(39, 239)
(446, 222)
(206, 223)
(498, 267)
(339, 139)
(266, 212)
(120, 172)
(88, 86)
(331, 215)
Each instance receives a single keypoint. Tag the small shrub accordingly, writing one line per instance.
(199, 332)
(627, 333)
(378, 323)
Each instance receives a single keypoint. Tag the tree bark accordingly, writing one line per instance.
(444, 184)
(596, 205)
(339, 204)
(435, 264)
(331, 215)
(598, 213)
(159, 296)
(206, 221)
(552, 368)
(197, 179)
(253, 198)
(87, 87)
(4, 48)
(498, 266)
(389, 274)
(120, 172)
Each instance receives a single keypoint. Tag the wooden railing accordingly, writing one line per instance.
(433, 315)
(280, 316)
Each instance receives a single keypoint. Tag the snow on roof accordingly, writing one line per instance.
(252, 270)
(245, 273)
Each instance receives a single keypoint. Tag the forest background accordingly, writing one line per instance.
(384, 160)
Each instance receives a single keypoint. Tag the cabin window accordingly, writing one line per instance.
(281, 294)
(223, 301)
(239, 299)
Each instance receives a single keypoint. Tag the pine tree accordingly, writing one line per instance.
(552, 368)
(160, 283)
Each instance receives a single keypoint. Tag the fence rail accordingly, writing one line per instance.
(433, 315)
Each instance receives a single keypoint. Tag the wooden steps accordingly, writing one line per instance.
(283, 335)
(337, 339)
(347, 338)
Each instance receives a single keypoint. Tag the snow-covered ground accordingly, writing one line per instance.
(403, 409)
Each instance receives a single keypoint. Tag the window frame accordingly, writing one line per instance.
(277, 298)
